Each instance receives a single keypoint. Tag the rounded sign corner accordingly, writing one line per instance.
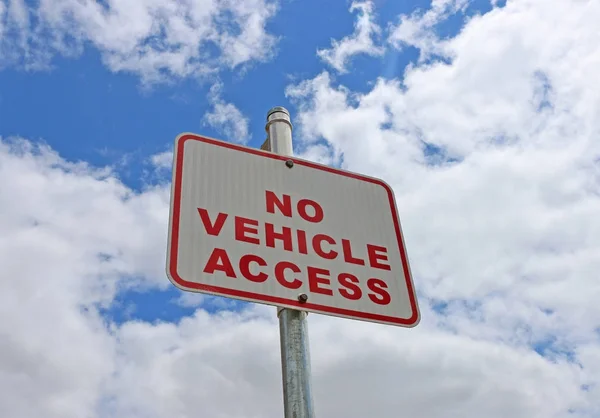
(386, 186)
(174, 277)
(415, 319)
(184, 136)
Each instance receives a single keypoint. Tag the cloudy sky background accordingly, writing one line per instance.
(483, 115)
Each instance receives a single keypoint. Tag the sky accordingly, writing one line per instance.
(483, 115)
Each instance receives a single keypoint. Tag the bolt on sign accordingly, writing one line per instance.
(262, 227)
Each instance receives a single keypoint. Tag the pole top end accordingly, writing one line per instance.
(277, 109)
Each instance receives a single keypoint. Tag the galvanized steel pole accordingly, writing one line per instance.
(293, 328)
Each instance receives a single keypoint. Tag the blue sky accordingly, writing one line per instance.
(86, 112)
(481, 114)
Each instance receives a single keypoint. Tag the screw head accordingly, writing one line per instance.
(289, 163)
(302, 298)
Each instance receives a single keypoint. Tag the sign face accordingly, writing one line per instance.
(250, 225)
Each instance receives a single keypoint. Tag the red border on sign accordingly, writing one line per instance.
(250, 296)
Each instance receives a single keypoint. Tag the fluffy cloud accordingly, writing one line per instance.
(225, 117)
(418, 29)
(360, 42)
(155, 39)
(493, 157)
(72, 236)
(162, 160)
(199, 366)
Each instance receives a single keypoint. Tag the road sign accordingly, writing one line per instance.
(262, 227)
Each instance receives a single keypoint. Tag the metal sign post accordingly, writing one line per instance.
(263, 226)
(293, 327)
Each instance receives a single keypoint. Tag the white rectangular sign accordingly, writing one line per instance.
(250, 225)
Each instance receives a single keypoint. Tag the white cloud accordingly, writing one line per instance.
(162, 159)
(225, 117)
(359, 370)
(71, 236)
(362, 41)
(418, 29)
(155, 39)
(500, 220)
